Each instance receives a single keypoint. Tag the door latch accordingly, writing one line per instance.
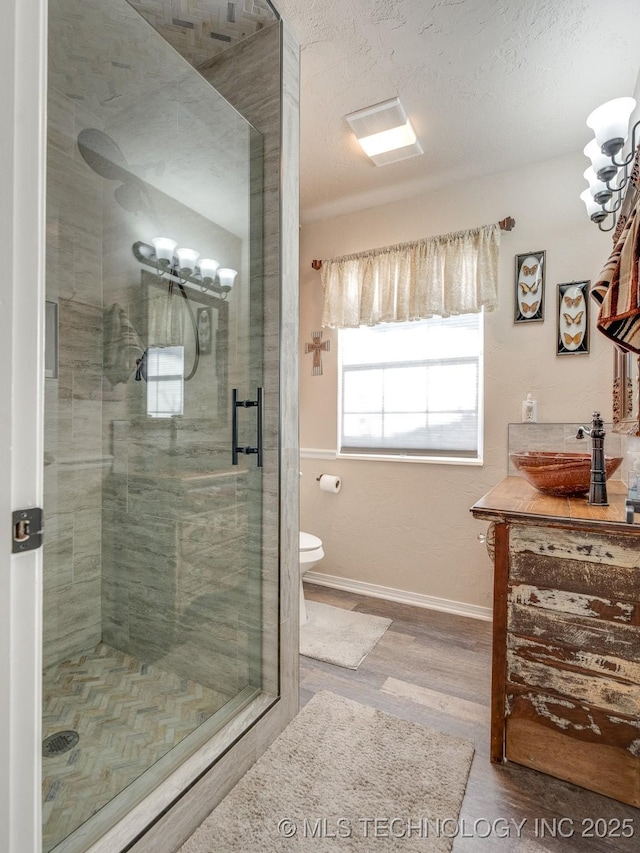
(27, 529)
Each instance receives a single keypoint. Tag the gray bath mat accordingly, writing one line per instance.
(334, 770)
(339, 636)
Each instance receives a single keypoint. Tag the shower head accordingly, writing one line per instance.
(105, 158)
(103, 155)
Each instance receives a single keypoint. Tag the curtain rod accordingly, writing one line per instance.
(506, 224)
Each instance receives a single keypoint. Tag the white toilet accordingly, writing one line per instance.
(310, 555)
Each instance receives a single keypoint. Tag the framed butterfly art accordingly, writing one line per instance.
(573, 318)
(529, 292)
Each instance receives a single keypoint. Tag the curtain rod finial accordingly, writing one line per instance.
(507, 224)
(316, 264)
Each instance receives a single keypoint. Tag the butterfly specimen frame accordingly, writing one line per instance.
(529, 288)
(573, 318)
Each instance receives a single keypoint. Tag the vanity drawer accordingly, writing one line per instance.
(574, 675)
(566, 573)
(575, 561)
(605, 640)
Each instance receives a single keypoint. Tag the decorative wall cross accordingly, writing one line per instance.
(316, 348)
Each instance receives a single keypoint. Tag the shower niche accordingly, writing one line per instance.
(161, 603)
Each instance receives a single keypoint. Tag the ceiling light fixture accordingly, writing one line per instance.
(385, 133)
(608, 176)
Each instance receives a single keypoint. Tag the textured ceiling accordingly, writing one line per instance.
(488, 84)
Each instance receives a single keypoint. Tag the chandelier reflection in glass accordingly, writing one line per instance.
(185, 265)
(609, 173)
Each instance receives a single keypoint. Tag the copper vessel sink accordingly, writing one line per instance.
(563, 474)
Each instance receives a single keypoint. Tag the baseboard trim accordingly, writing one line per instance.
(417, 599)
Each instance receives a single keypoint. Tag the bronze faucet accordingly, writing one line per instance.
(598, 482)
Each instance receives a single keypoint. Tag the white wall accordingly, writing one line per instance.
(407, 525)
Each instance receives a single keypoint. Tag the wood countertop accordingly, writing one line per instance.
(514, 499)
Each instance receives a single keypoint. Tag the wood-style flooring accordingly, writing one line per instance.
(434, 668)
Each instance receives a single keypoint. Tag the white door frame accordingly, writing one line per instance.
(22, 206)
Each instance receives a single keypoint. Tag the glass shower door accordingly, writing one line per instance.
(153, 574)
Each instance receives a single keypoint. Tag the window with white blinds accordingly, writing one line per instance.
(165, 382)
(412, 389)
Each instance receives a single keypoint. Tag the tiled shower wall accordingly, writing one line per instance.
(252, 79)
(175, 585)
(200, 31)
(174, 518)
(74, 461)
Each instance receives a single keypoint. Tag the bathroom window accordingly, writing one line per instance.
(165, 382)
(412, 390)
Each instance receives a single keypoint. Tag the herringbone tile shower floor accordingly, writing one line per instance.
(128, 715)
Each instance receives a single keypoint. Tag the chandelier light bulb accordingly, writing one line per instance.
(610, 123)
(208, 268)
(602, 165)
(594, 210)
(599, 190)
(164, 248)
(226, 277)
(187, 259)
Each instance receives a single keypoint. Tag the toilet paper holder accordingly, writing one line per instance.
(330, 483)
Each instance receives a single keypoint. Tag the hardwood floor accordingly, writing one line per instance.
(434, 668)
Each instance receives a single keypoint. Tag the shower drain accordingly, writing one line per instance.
(59, 742)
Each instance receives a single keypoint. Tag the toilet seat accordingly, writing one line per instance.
(309, 542)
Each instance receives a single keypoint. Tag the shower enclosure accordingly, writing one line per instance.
(161, 415)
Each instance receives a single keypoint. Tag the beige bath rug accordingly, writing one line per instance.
(339, 636)
(348, 778)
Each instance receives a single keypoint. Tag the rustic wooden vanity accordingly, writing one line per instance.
(566, 637)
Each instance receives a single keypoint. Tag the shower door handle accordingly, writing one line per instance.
(245, 404)
(259, 427)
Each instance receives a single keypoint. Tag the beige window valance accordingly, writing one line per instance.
(450, 274)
